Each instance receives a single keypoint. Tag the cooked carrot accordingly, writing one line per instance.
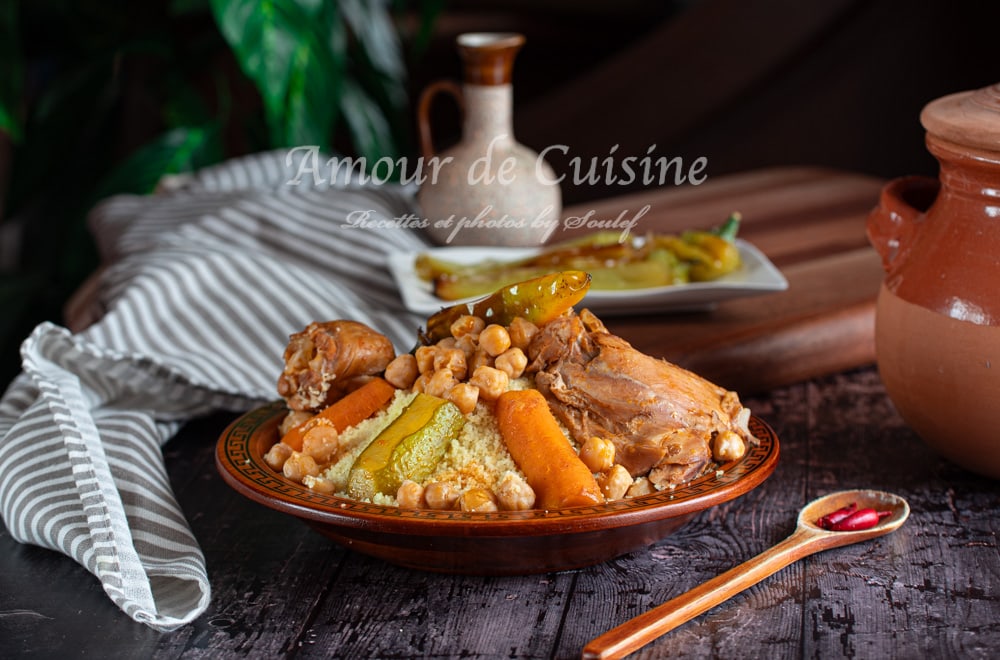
(347, 411)
(539, 447)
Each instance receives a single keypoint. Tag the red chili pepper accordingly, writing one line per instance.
(861, 519)
(830, 519)
(850, 519)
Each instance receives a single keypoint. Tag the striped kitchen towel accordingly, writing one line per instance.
(201, 286)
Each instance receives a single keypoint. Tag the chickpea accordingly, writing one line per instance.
(402, 371)
(451, 359)
(641, 486)
(277, 455)
(425, 358)
(465, 396)
(321, 441)
(514, 493)
(468, 345)
(521, 332)
(615, 482)
(410, 495)
(440, 383)
(480, 359)
(292, 419)
(445, 344)
(491, 382)
(318, 484)
(598, 454)
(477, 500)
(440, 495)
(494, 339)
(728, 446)
(298, 466)
(513, 361)
(467, 324)
(420, 384)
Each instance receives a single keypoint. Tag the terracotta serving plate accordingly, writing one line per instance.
(501, 543)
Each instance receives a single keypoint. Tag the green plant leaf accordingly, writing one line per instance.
(292, 52)
(11, 80)
(421, 39)
(66, 134)
(370, 131)
(180, 150)
(376, 36)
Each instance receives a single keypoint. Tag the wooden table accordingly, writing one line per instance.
(930, 589)
(811, 224)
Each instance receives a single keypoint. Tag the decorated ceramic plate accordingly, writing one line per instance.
(756, 276)
(498, 543)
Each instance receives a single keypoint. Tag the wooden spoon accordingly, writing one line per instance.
(808, 538)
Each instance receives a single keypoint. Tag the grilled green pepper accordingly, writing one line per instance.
(409, 448)
(472, 284)
(711, 254)
(613, 261)
(579, 254)
(723, 257)
(538, 300)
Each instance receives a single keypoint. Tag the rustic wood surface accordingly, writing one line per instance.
(931, 589)
(810, 223)
(808, 538)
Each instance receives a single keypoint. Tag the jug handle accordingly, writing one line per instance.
(424, 108)
(901, 208)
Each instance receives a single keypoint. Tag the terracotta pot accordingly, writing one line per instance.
(937, 328)
(489, 189)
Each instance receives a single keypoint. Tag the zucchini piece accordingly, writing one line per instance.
(409, 448)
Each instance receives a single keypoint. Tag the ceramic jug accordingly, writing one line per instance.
(489, 189)
(937, 322)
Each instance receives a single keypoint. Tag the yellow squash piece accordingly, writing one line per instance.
(409, 448)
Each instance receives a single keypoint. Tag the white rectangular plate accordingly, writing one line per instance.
(756, 276)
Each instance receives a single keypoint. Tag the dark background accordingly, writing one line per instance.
(745, 84)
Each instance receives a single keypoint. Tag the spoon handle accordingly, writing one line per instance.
(639, 631)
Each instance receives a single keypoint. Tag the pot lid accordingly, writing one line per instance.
(968, 118)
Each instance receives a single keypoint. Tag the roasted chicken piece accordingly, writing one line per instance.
(661, 418)
(327, 360)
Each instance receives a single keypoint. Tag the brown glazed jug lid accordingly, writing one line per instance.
(971, 118)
